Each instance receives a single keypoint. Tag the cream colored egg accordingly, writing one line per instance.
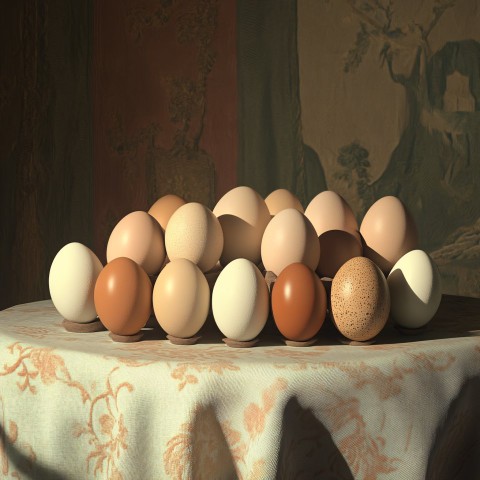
(71, 281)
(329, 211)
(281, 199)
(193, 232)
(360, 299)
(138, 236)
(243, 215)
(289, 238)
(181, 298)
(415, 289)
(240, 301)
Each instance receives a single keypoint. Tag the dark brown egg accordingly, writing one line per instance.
(123, 296)
(299, 302)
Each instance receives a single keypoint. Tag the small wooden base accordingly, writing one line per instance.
(183, 341)
(240, 344)
(90, 327)
(411, 331)
(305, 343)
(356, 343)
(126, 338)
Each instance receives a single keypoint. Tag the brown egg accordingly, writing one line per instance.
(337, 247)
(164, 208)
(389, 232)
(299, 303)
(360, 299)
(138, 236)
(181, 298)
(281, 199)
(123, 296)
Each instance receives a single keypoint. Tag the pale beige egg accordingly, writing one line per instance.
(360, 299)
(281, 199)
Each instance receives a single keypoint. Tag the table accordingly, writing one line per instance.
(78, 405)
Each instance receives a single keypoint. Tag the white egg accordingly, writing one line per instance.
(71, 281)
(240, 300)
(415, 289)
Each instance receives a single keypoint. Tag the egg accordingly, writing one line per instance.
(337, 247)
(193, 232)
(289, 238)
(360, 299)
(138, 236)
(281, 199)
(389, 232)
(299, 303)
(243, 215)
(71, 282)
(240, 300)
(415, 289)
(329, 211)
(123, 297)
(164, 208)
(181, 298)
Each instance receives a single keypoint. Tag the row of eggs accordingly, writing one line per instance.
(242, 230)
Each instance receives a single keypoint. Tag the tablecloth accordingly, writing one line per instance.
(78, 405)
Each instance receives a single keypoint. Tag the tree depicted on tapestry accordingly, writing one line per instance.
(434, 167)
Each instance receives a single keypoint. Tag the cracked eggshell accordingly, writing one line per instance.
(181, 298)
(415, 289)
(360, 299)
(240, 300)
(193, 232)
(71, 281)
(289, 238)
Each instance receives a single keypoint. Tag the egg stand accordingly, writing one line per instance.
(90, 327)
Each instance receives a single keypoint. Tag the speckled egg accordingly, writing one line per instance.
(360, 299)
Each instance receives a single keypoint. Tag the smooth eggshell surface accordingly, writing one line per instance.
(360, 299)
(138, 236)
(240, 300)
(123, 296)
(330, 211)
(281, 199)
(181, 298)
(164, 208)
(71, 281)
(243, 215)
(289, 238)
(337, 247)
(389, 232)
(299, 303)
(193, 232)
(415, 289)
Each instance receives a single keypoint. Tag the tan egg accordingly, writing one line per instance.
(337, 247)
(164, 208)
(181, 298)
(193, 232)
(281, 199)
(360, 299)
(389, 232)
(329, 211)
(289, 238)
(243, 215)
(138, 236)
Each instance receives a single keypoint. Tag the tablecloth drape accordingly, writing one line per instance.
(75, 406)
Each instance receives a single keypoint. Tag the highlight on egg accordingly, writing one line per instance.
(289, 238)
(71, 281)
(181, 298)
(243, 216)
(389, 232)
(193, 232)
(138, 236)
(240, 300)
(360, 299)
(415, 289)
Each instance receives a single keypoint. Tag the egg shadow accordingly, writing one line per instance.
(455, 453)
(384, 264)
(307, 449)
